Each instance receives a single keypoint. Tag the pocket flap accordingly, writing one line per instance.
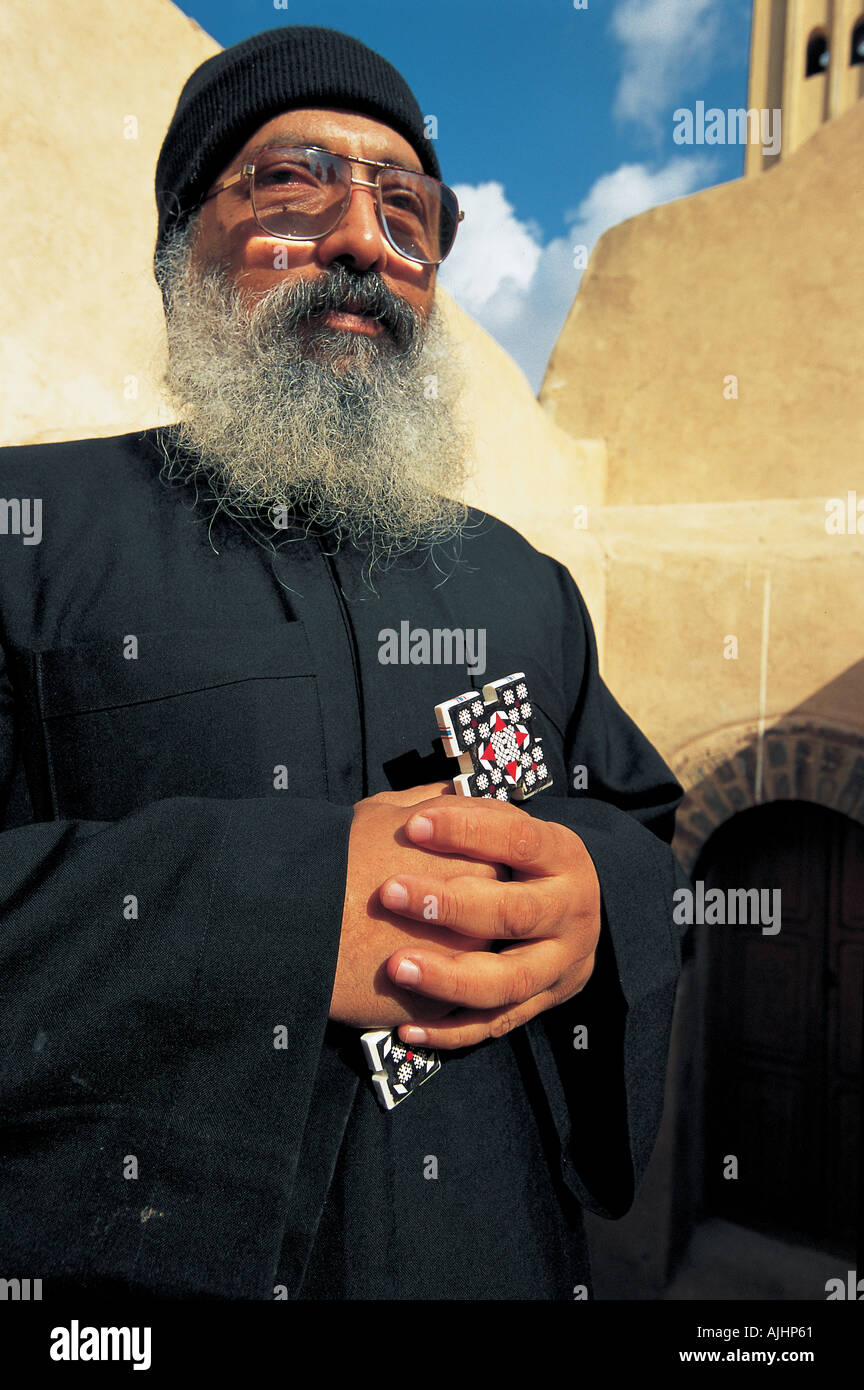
(98, 676)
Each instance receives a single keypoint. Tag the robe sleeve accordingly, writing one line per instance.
(604, 1086)
(166, 980)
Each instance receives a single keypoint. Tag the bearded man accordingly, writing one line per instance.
(230, 841)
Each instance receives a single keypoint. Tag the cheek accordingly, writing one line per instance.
(413, 282)
(247, 253)
(261, 256)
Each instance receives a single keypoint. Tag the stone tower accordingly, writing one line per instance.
(806, 57)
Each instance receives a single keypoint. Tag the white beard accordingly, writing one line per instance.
(351, 434)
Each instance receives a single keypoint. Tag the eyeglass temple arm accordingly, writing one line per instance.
(245, 173)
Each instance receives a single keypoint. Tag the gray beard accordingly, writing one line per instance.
(284, 417)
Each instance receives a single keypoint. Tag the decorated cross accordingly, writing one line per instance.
(397, 1067)
(491, 733)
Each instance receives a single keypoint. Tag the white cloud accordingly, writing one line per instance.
(494, 251)
(633, 188)
(519, 290)
(667, 49)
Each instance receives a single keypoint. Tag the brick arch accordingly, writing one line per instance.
(796, 759)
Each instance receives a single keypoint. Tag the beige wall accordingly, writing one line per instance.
(78, 304)
(757, 280)
(684, 580)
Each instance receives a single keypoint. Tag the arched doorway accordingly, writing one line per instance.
(783, 1056)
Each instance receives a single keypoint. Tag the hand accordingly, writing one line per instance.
(551, 910)
(364, 996)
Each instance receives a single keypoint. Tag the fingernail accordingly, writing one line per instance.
(407, 972)
(415, 1035)
(395, 895)
(420, 828)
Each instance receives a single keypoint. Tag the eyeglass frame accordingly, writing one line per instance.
(248, 171)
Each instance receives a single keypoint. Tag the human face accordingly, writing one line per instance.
(227, 233)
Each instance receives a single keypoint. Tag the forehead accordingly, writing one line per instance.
(343, 132)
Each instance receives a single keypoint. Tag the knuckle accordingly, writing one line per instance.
(501, 1025)
(380, 801)
(457, 986)
(522, 986)
(556, 913)
(449, 906)
(524, 841)
(558, 994)
(460, 832)
(522, 916)
(501, 913)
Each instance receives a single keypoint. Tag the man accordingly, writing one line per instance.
(230, 841)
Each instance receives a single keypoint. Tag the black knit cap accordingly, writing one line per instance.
(238, 90)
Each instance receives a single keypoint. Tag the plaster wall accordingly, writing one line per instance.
(730, 614)
(716, 342)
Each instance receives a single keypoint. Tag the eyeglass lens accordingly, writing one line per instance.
(299, 193)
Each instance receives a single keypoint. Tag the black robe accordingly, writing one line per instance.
(145, 1043)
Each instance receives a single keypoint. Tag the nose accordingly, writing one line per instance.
(358, 240)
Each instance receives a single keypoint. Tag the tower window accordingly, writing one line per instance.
(817, 53)
(857, 54)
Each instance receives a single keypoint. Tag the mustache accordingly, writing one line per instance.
(277, 408)
(343, 291)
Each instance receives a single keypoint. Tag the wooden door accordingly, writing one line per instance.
(784, 1026)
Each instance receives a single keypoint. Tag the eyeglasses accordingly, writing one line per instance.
(301, 193)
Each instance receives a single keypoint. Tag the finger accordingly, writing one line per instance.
(487, 908)
(466, 1029)
(480, 979)
(410, 796)
(496, 831)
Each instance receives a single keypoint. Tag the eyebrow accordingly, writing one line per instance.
(290, 141)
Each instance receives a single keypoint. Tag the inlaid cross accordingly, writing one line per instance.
(491, 733)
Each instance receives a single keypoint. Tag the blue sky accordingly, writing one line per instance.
(554, 123)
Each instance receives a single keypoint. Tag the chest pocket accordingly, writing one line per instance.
(201, 712)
